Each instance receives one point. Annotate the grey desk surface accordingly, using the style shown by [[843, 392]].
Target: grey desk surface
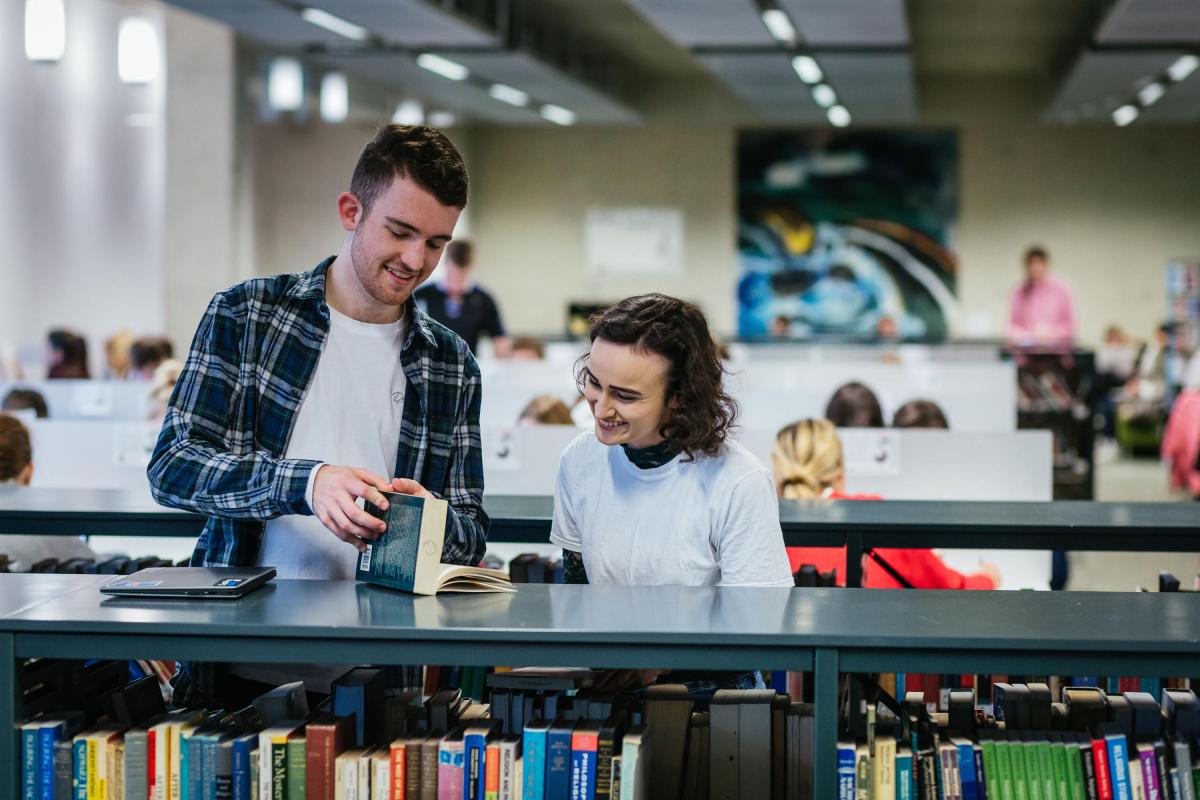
[[22, 590], [1030, 622]]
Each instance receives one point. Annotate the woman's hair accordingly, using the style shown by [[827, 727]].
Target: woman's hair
[[854, 406], [546, 409], [116, 353], [700, 413], [16, 452], [21, 399], [807, 459], [74, 363], [920, 414]]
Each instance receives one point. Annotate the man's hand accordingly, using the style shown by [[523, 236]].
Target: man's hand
[[408, 486], [335, 490]]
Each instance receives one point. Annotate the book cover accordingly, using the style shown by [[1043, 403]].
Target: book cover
[[408, 555], [846, 771], [365, 772], [345, 772], [1104, 787], [1087, 765], [609, 744], [966, 768], [558, 760], [1046, 767], [533, 781], [633, 763], [980, 773], [381, 775], [510, 757], [359, 693], [398, 763], [491, 772], [1148, 764], [326, 737], [450, 779], [296, 763], [30, 761], [1118, 766], [476, 739], [412, 766], [79, 784], [64, 770], [904, 773], [244, 754], [584, 744], [883, 767], [430, 753], [223, 770]]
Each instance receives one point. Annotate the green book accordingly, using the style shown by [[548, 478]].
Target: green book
[[1016, 753], [1004, 761], [991, 774], [1046, 769], [296, 756], [1074, 769], [279, 770], [1058, 759], [1033, 769]]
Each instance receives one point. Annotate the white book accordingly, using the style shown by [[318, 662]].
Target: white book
[[633, 766], [364, 774], [381, 775], [510, 752], [346, 775], [883, 767], [518, 776], [162, 758]]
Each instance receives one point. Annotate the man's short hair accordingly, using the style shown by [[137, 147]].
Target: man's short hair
[[1036, 251], [418, 152], [460, 253], [21, 399]]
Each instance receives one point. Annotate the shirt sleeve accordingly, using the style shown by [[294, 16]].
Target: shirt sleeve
[[192, 466], [749, 541], [467, 523], [492, 323], [924, 570], [563, 530]]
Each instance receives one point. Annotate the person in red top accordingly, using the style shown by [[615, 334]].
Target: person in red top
[[807, 462]]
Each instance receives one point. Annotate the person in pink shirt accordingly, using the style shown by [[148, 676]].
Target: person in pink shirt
[[1042, 307]]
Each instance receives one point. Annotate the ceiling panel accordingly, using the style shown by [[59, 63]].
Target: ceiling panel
[[876, 87], [1181, 103], [263, 21], [401, 73], [707, 23], [849, 22], [413, 23], [766, 83], [1102, 80], [1150, 22], [547, 84]]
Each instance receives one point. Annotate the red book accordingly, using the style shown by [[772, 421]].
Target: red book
[[399, 779], [325, 739], [1103, 779], [491, 773], [151, 763]]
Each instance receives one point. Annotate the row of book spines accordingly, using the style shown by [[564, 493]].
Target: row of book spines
[[585, 760]]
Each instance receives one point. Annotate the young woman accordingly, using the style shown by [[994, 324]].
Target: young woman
[[808, 464], [657, 493]]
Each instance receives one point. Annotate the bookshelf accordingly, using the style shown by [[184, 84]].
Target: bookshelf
[[824, 630], [1115, 527]]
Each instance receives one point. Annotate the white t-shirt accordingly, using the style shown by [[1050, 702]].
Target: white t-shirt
[[350, 417], [712, 521]]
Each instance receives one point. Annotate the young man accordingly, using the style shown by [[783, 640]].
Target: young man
[[462, 305], [304, 392], [1041, 309]]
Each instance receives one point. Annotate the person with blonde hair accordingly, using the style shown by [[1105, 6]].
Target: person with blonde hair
[[546, 409], [808, 464]]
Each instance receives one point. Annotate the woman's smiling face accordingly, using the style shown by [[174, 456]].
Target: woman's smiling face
[[626, 388]]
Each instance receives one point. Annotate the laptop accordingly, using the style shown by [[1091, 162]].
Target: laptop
[[210, 582]]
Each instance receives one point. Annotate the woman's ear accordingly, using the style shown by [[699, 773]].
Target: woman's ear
[[25, 475]]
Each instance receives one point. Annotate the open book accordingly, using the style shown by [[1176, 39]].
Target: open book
[[408, 555]]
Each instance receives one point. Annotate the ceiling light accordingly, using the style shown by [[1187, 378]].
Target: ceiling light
[[409, 112], [342, 27], [137, 51], [808, 69], [507, 94], [558, 114], [285, 84], [45, 30], [1125, 115], [824, 95], [442, 119], [838, 116], [335, 97], [1183, 66], [443, 66], [1149, 94], [779, 25]]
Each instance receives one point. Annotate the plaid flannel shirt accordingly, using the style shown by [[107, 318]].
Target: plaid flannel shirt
[[222, 445]]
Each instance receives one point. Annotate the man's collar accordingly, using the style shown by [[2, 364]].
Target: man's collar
[[311, 286]]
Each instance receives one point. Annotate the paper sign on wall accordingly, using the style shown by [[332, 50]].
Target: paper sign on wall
[[877, 454], [633, 241]]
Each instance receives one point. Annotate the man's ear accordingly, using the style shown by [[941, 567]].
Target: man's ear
[[349, 210], [25, 475]]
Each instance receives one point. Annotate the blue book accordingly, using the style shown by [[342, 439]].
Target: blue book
[[31, 763], [845, 771], [475, 742], [966, 768], [49, 734], [79, 783], [558, 760], [980, 775], [1118, 766], [533, 778], [585, 742], [408, 555], [243, 751], [905, 781]]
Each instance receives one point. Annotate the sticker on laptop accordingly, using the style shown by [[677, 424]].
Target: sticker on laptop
[[134, 584], [230, 582]]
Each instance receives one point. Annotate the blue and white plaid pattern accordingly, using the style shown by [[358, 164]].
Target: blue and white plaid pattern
[[222, 445]]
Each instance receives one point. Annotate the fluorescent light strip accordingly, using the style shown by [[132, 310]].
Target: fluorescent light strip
[[807, 68], [1125, 115], [779, 25], [451, 70], [507, 94], [442, 119], [137, 51], [342, 27], [1180, 70], [1150, 94], [824, 95], [45, 30], [409, 112], [558, 114], [838, 116], [335, 97]]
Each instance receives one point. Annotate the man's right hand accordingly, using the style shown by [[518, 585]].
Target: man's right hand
[[335, 490]]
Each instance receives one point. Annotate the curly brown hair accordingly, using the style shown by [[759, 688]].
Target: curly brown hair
[[702, 414]]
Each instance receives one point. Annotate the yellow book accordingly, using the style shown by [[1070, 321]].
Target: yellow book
[[116, 770], [883, 768], [93, 773]]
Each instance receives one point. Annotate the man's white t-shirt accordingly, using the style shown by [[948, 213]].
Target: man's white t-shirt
[[350, 416], [712, 521]]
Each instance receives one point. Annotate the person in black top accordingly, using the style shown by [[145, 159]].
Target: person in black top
[[461, 305]]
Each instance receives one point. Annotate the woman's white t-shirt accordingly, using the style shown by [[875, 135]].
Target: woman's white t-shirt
[[712, 521]]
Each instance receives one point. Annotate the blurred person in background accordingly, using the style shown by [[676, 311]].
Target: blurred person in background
[[66, 355], [462, 305], [546, 409], [145, 355], [854, 405], [1041, 309], [920, 414], [116, 355], [526, 348], [162, 383], [26, 399]]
